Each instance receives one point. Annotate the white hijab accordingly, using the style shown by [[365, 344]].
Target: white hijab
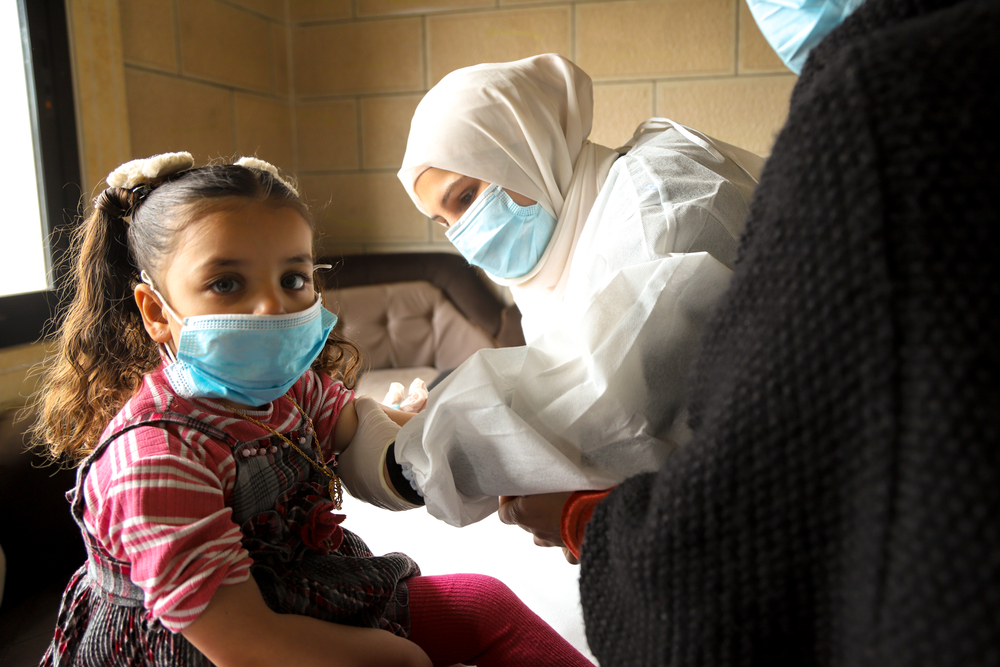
[[522, 125]]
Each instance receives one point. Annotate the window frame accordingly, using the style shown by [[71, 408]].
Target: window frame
[[25, 318]]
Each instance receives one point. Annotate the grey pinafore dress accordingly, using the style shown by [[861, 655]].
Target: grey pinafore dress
[[281, 505]]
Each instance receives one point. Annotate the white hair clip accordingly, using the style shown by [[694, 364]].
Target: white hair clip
[[146, 170], [261, 165]]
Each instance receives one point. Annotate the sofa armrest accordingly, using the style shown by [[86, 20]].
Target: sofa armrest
[[42, 542]]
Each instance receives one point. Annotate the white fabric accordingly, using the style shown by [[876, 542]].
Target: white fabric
[[523, 126], [599, 393]]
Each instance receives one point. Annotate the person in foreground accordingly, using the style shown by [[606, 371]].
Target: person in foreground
[[205, 486], [837, 503], [614, 257]]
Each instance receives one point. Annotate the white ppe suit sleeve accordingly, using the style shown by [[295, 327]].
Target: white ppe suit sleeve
[[600, 395]]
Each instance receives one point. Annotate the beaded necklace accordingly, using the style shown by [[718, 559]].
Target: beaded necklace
[[335, 486]]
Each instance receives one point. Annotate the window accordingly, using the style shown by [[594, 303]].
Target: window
[[40, 182]]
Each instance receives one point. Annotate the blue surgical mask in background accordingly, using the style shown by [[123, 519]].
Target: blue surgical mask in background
[[794, 27], [500, 236], [247, 359]]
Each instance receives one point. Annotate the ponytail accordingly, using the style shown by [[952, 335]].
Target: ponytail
[[103, 349]]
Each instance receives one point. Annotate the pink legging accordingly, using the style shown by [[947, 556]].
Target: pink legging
[[474, 619]]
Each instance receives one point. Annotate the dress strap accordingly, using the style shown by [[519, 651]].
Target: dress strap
[[103, 569], [148, 419]]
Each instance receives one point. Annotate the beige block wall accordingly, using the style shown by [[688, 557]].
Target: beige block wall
[[359, 70], [326, 88], [19, 367], [209, 76]]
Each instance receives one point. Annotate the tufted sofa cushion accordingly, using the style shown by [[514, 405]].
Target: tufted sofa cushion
[[405, 330], [450, 273]]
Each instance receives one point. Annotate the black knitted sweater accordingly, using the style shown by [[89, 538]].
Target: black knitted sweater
[[840, 501]]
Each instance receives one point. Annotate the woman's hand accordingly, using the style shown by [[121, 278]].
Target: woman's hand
[[540, 515], [362, 463], [238, 629]]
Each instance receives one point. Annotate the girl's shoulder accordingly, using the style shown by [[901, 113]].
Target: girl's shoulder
[[321, 398], [317, 392], [153, 396], [187, 429]]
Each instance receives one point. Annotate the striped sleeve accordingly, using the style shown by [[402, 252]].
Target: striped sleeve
[[157, 500], [323, 398]]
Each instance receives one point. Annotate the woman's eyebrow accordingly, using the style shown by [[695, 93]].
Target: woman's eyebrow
[[447, 191]]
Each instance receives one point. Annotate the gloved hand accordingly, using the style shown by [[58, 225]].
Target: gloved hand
[[412, 402], [361, 465], [417, 398]]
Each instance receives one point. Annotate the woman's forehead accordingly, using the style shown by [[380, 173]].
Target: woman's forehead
[[433, 185]]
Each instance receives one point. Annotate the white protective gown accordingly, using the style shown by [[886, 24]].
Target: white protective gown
[[600, 395]]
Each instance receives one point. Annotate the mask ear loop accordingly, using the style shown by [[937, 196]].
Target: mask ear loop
[[321, 267], [164, 348]]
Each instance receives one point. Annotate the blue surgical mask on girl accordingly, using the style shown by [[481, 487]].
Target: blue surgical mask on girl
[[794, 27], [501, 237], [247, 359]]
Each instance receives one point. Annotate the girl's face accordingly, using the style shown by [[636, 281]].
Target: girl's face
[[447, 195], [250, 259]]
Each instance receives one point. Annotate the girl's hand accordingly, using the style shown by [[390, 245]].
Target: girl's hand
[[237, 629]]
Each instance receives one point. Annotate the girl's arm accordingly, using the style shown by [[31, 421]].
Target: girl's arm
[[238, 629]]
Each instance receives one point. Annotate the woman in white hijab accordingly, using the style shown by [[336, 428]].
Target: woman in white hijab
[[614, 261]]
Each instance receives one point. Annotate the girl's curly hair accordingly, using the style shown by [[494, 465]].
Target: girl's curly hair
[[102, 348]]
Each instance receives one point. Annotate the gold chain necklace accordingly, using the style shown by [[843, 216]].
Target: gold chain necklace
[[336, 487]]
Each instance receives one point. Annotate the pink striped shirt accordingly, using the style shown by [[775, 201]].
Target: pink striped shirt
[[159, 498]]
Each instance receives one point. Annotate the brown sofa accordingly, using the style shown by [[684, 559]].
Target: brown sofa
[[412, 315], [41, 542]]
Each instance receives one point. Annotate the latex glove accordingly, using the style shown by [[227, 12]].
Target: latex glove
[[361, 465], [415, 400], [394, 397], [540, 515]]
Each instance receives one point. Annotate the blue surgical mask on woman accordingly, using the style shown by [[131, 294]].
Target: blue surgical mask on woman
[[247, 359], [500, 236], [794, 27]]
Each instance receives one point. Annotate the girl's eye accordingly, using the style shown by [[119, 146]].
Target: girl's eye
[[294, 281], [225, 285]]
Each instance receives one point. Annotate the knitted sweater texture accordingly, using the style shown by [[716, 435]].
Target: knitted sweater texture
[[839, 503]]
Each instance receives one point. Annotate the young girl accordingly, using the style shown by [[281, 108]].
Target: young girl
[[206, 483]]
